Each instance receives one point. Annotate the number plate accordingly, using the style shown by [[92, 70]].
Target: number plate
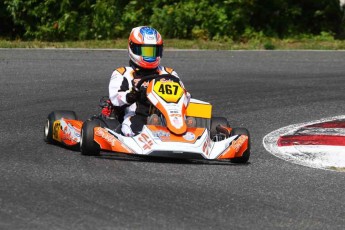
[[169, 91]]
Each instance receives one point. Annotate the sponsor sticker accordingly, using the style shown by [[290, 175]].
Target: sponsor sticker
[[175, 115], [145, 139], [145, 84], [239, 142], [206, 146], [189, 136], [150, 37], [177, 121], [165, 80], [162, 135], [106, 136], [70, 133]]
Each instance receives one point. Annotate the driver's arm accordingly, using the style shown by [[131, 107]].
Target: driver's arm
[[118, 89]]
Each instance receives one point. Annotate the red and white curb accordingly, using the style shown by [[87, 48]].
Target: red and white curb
[[316, 144]]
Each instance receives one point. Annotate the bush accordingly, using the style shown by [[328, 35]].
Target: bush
[[200, 19], [7, 28], [106, 20], [284, 18]]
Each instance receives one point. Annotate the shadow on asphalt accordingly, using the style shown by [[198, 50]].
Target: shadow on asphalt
[[152, 159], [164, 160]]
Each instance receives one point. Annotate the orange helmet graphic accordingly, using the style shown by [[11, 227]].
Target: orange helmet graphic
[[145, 47]]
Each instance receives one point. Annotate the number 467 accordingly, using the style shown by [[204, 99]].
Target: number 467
[[167, 89]]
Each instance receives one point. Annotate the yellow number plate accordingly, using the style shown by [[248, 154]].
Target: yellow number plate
[[169, 91]]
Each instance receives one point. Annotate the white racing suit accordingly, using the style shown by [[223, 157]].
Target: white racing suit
[[121, 83]]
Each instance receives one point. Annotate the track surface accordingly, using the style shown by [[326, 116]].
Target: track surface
[[48, 187]]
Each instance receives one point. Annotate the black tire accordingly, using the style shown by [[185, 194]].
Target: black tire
[[88, 146], [245, 157], [215, 121], [52, 117]]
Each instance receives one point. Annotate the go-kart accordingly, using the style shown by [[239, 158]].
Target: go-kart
[[183, 128]]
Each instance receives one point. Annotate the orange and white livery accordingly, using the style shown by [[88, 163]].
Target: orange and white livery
[[186, 129]]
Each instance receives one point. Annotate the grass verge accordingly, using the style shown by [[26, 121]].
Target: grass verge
[[302, 43], [337, 169]]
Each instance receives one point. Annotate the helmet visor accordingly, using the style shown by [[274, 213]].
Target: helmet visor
[[147, 51]]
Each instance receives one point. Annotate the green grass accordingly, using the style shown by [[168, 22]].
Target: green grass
[[323, 42], [337, 169], [92, 44]]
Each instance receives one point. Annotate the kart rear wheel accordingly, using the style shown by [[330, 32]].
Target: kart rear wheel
[[52, 117], [215, 121], [88, 146], [245, 157]]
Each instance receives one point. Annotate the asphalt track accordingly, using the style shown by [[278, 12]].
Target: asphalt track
[[44, 186]]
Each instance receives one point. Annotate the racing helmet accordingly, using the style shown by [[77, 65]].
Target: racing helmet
[[145, 47]]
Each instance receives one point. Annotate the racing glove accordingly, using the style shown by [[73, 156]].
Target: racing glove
[[132, 97], [106, 111], [107, 107]]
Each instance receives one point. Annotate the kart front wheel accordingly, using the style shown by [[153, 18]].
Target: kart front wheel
[[245, 157], [52, 117], [88, 146]]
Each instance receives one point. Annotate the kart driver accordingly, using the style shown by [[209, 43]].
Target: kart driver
[[145, 48]]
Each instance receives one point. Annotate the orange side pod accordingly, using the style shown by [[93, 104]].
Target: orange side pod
[[108, 142], [236, 149], [65, 136]]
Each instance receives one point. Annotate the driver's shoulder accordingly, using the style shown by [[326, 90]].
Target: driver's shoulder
[[123, 70], [165, 70]]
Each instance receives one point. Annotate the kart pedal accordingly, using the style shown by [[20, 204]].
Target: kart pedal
[[154, 120]]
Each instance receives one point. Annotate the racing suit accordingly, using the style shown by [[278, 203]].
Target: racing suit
[[121, 83]]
